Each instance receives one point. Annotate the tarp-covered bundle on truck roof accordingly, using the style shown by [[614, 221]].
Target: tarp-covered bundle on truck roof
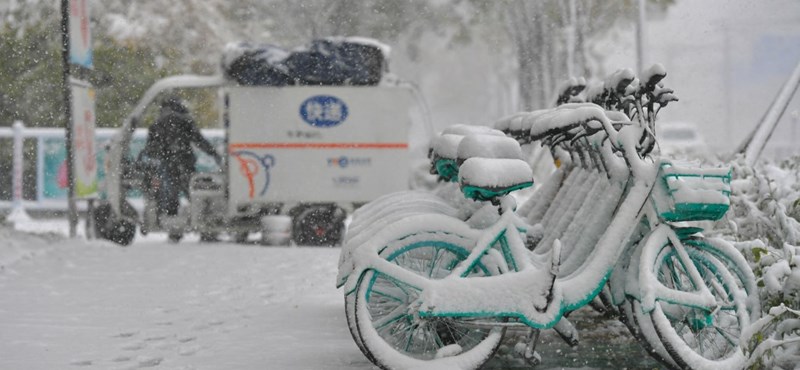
[[328, 61]]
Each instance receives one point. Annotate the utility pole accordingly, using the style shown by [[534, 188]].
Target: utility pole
[[641, 37], [571, 31], [72, 210]]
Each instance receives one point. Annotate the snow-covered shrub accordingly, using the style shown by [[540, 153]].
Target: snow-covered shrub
[[773, 342], [763, 201], [764, 223]]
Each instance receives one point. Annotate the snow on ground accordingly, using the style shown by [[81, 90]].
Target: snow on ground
[[73, 304], [184, 306]]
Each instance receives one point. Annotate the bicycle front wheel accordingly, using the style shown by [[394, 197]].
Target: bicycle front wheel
[[392, 336], [699, 337]]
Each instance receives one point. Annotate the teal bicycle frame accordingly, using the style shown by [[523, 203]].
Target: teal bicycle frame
[[525, 285]]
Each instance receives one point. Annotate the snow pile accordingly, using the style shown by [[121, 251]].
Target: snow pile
[[16, 245]]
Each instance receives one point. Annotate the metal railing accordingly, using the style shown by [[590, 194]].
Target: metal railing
[[43, 200]]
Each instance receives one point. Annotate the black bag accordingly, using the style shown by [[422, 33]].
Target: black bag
[[337, 62], [260, 65], [329, 61]]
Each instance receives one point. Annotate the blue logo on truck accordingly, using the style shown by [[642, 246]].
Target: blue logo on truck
[[323, 111]]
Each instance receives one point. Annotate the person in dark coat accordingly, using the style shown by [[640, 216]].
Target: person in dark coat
[[169, 152]]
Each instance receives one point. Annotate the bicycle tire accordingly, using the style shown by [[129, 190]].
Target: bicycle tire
[[695, 337], [403, 341]]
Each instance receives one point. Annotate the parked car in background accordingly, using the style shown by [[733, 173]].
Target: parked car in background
[[681, 139]]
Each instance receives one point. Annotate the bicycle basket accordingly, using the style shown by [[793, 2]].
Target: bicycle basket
[[690, 193]]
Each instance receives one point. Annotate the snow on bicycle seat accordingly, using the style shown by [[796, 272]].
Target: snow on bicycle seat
[[444, 149], [443, 156], [464, 130], [446, 146], [489, 178], [488, 147]]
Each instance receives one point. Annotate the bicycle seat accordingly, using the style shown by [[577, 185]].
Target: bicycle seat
[[483, 146], [490, 178], [445, 148], [464, 130], [443, 156]]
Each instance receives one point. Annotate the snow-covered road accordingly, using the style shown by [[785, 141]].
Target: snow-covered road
[[73, 304]]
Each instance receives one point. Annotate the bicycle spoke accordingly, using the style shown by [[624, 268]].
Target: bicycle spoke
[[389, 318], [388, 301], [433, 262], [712, 332], [386, 295]]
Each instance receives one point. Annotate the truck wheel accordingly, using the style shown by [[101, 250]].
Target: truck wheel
[[208, 237], [175, 236], [240, 238], [319, 226], [122, 232], [109, 227]]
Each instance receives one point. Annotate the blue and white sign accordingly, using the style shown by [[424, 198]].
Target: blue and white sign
[[318, 143], [80, 35], [323, 111]]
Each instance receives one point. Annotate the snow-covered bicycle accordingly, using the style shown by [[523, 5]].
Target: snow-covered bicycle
[[431, 289]]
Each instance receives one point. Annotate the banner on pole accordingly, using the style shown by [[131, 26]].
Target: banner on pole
[[83, 139], [80, 35]]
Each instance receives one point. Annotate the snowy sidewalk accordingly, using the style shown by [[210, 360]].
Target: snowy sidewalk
[[185, 306]]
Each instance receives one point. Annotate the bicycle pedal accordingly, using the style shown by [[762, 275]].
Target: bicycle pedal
[[567, 332]]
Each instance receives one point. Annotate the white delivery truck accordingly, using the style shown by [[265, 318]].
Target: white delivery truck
[[303, 155]]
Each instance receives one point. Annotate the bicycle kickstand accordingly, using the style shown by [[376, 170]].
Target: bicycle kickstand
[[530, 355], [555, 265]]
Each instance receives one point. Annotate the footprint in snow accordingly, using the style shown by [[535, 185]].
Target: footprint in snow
[[133, 346], [207, 325], [81, 363], [188, 350], [156, 337], [146, 361]]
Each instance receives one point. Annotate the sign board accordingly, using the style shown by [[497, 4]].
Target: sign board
[[80, 35], [52, 162], [83, 139], [318, 144]]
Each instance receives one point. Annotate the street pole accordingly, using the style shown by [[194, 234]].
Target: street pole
[[72, 211], [571, 30], [795, 122], [641, 37]]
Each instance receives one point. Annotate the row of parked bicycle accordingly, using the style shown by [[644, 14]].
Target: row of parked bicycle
[[436, 278]]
